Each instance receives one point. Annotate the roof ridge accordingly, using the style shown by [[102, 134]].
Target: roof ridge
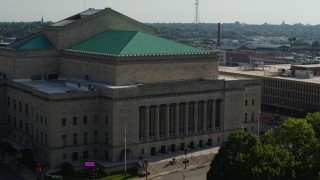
[[129, 41]]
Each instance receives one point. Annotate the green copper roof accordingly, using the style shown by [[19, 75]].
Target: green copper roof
[[117, 42], [36, 41]]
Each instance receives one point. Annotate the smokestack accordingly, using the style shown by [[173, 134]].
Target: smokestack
[[219, 35]]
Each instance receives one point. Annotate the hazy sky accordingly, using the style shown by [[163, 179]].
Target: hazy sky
[[245, 11]]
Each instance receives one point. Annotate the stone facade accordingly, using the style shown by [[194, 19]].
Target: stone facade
[[166, 102]]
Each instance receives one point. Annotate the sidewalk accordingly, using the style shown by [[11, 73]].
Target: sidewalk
[[25, 172]]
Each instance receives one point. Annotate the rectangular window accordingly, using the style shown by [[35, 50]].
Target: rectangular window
[[15, 122], [75, 139], [26, 109], [107, 138], [8, 101], [41, 119], [107, 119], [252, 102], [85, 138], [64, 140], [95, 136], [20, 106], [9, 119], [14, 105], [46, 139], [37, 118], [45, 121], [74, 120], [85, 119], [64, 122], [20, 125], [37, 135], [246, 102], [27, 128], [245, 117], [252, 117], [41, 137]]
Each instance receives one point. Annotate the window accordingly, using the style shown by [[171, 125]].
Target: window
[[85, 154], [41, 119], [218, 139], [9, 119], [75, 139], [95, 136], [41, 137], [85, 119], [252, 102], [107, 119], [37, 117], [46, 139], [245, 117], [252, 117], [246, 103], [20, 124], [20, 106], [26, 109], [14, 105], [74, 120], [8, 101], [85, 138], [27, 128], [15, 122], [45, 121], [64, 140], [107, 137], [64, 122], [37, 134], [64, 156]]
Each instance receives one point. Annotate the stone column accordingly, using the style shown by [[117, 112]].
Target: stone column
[[176, 118], [204, 116], [213, 115], [157, 123], [195, 129], [186, 120], [221, 113], [146, 123], [167, 120]]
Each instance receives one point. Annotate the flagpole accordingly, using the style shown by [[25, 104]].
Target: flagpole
[[125, 148], [259, 123]]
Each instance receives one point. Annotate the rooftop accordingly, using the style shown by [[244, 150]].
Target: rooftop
[[269, 71], [35, 41], [118, 42]]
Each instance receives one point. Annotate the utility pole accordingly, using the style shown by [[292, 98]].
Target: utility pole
[[125, 148]]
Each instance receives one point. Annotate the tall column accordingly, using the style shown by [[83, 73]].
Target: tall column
[[176, 118], [196, 104], [167, 120], [213, 115], [146, 123], [157, 122], [186, 120], [205, 114], [221, 113]]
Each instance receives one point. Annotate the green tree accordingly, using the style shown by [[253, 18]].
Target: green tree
[[314, 120], [244, 157], [299, 138]]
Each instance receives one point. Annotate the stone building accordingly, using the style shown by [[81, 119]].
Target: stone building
[[67, 92]]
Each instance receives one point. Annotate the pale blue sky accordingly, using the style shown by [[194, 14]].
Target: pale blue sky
[[246, 11]]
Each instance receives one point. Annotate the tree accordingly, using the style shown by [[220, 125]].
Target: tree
[[314, 120], [244, 157], [299, 139]]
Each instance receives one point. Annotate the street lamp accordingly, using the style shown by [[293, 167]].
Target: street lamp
[[146, 165], [186, 161]]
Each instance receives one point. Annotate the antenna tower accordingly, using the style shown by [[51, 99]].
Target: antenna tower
[[197, 18]]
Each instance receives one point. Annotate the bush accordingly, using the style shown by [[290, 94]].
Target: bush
[[67, 169]]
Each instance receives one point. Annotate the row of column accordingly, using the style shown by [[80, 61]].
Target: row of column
[[179, 119]]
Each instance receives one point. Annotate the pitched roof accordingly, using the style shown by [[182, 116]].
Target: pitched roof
[[117, 42], [35, 41]]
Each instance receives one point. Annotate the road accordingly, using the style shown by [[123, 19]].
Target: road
[[6, 173], [192, 174]]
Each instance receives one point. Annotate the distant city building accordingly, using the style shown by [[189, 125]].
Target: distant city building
[[68, 92], [287, 89]]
